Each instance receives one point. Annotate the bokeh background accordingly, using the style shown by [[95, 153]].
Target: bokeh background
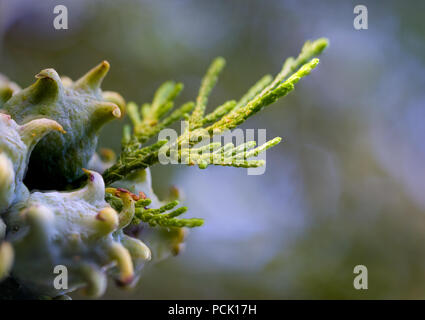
[[346, 188]]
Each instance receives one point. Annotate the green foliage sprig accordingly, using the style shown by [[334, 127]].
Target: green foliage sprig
[[158, 217], [151, 118], [164, 216]]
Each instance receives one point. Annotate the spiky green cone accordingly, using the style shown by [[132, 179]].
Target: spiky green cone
[[16, 144], [78, 230], [80, 107]]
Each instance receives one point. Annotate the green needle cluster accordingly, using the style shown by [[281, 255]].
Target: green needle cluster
[[149, 119]]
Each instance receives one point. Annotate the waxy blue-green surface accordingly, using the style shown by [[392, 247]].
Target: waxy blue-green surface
[[80, 107], [78, 230], [16, 145]]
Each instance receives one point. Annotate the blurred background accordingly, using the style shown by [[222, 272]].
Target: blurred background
[[347, 187]]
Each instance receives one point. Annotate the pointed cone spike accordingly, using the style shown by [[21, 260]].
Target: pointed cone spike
[[93, 79], [6, 171], [177, 248], [104, 112], [122, 257], [93, 191], [7, 177], [96, 281], [47, 87], [137, 249], [6, 259], [116, 98], [38, 214], [107, 220], [5, 94], [182, 234], [67, 81], [40, 219], [107, 155], [128, 210], [35, 130], [7, 87]]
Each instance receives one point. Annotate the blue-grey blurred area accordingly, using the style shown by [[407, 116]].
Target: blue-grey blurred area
[[347, 186]]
